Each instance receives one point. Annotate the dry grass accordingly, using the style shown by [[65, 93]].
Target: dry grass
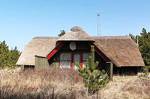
[[40, 84], [16, 84], [127, 87]]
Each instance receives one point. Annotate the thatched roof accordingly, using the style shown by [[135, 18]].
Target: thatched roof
[[76, 34], [40, 46], [121, 50]]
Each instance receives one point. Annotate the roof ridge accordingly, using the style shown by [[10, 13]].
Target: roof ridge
[[45, 37], [111, 37]]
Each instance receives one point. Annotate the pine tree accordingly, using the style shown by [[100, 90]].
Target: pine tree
[[4, 54], [144, 45], [8, 58], [94, 79], [13, 57], [62, 32]]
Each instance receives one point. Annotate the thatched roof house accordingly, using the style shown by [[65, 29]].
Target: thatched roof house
[[74, 46]]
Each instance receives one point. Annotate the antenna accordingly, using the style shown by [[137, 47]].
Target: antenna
[[98, 24]]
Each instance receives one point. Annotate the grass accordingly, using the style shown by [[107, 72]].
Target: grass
[[66, 84], [40, 83], [127, 87]]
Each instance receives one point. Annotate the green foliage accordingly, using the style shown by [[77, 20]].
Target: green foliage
[[145, 74], [146, 70], [134, 37], [144, 45], [8, 57], [62, 32], [93, 77]]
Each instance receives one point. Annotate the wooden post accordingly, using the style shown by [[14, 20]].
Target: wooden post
[[110, 70], [93, 53]]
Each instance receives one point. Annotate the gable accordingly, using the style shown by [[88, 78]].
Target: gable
[[37, 46], [121, 50]]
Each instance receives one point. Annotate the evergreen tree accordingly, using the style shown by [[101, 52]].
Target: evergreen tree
[[133, 37], [144, 32], [144, 45], [4, 54], [62, 32], [13, 57], [8, 58], [93, 77]]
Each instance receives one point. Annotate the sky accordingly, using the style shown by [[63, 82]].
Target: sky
[[21, 20]]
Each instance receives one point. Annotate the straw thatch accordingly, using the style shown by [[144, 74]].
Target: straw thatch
[[40, 46], [121, 50], [75, 34]]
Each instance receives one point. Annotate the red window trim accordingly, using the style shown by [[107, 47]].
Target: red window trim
[[54, 51]]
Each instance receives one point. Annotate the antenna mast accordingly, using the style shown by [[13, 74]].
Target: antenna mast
[[98, 24]]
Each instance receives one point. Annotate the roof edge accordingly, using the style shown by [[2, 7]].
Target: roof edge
[[111, 37], [44, 37]]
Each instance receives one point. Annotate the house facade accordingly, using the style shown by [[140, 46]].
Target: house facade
[[74, 47]]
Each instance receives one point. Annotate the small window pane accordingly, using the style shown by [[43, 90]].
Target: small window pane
[[85, 56], [65, 56], [77, 57]]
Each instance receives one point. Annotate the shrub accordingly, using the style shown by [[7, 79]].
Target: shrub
[[145, 73], [94, 78], [145, 70]]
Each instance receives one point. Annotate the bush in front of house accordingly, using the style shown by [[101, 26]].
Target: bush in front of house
[[146, 70], [93, 77], [145, 74]]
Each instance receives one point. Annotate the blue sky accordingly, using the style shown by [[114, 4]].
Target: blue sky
[[21, 20]]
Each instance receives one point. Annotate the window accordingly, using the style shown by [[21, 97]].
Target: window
[[65, 60], [77, 58], [85, 58]]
